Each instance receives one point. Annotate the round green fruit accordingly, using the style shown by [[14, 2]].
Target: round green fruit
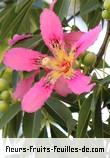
[[3, 106], [106, 14], [107, 5], [7, 75], [5, 95], [83, 55], [3, 84], [89, 59]]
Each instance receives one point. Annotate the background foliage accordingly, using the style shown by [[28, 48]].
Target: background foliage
[[55, 118]]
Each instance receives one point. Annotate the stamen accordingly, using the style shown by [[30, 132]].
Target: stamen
[[55, 43], [46, 61]]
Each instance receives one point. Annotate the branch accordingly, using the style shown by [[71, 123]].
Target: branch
[[103, 47]]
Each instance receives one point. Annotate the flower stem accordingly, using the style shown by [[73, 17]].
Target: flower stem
[[104, 45]]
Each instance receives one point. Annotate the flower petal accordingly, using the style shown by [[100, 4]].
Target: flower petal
[[80, 83], [51, 28], [87, 40], [37, 96], [53, 4], [71, 38], [22, 59], [61, 87], [17, 38], [23, 86]]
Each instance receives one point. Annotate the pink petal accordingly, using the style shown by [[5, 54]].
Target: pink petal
[[87, 40], [23, 86], [61, 87], [80, 83], [71, 38], [53, 4], [51, 28], [22, 59], [37, 96], [17, 38]]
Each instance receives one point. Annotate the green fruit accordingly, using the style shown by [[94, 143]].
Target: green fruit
[[83, 54], [107, 5], [7, 75], [3, 106], [89, 59], [106, 14], [3, 84], [5, 95]]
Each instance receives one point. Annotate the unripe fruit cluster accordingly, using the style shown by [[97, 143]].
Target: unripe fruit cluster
[[106, 11], [5, 95]]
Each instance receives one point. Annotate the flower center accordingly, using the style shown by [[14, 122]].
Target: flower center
[[59, 65], [65, 66]]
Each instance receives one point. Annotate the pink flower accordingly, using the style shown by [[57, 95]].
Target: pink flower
[[17, 38], [61, 77]]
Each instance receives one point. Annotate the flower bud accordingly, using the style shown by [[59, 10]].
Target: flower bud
[[3, 84], [7, 75], [107, 5], [89, 59], [5, 95], [106, 14], [3, 106]]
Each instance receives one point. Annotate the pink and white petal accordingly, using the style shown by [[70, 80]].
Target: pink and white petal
[[87, 40], [37, 96], [23, 86], [61, 87], [17, 38], [51, 28], [71, 38], [22, 59], [80, 83], [53, 4]]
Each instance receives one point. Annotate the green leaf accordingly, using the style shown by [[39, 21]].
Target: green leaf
[[88, 6], [20, 4], [84, 116], [2, 68], [106, 80], [96, 95], [59, 109], [62, 8], [9, 115], [17, 22], [30, 42], [12, 128], [43, 133], [32, 124], [98, 127], [94, 18], [15, 78], [57, 133], [106, 130], [17, 122]]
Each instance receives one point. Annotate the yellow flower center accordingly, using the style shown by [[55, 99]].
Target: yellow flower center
[[61, 64]]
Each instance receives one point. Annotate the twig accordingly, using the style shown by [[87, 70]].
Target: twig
[[71, 17], [103, 47]]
